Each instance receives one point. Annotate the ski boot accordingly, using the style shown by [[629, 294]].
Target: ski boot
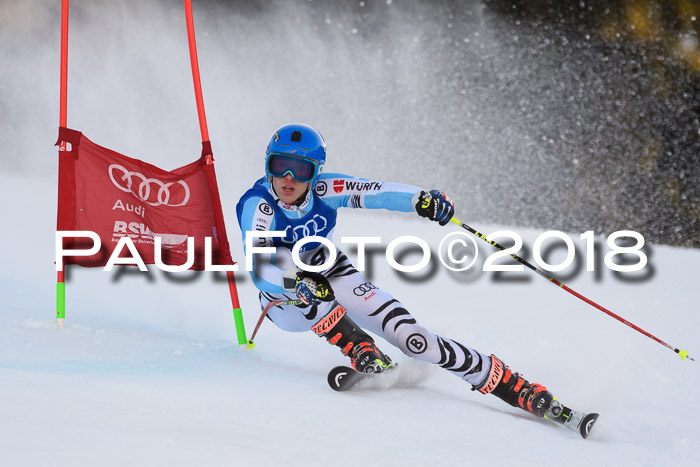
[[518, 392], [534, 398], [367, 358], [338, 329]]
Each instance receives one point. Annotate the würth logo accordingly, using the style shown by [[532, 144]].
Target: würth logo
[[338, 185]]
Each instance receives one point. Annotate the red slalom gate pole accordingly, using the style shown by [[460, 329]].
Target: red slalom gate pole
[[63, 119], [195, 71], [682, 353], [64, 66], [237, 312]]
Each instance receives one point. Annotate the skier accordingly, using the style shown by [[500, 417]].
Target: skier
[[339, 303]]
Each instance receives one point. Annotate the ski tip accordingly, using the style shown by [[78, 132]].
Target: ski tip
[[587, 424], [335, 378]]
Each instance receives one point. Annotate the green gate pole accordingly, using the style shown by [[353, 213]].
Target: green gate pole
[[237, 312], [60, 301]]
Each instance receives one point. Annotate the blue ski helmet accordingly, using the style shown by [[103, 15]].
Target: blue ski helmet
[[296, 142]]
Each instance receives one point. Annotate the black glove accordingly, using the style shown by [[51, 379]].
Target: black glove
[[312, 286], [435, 205]]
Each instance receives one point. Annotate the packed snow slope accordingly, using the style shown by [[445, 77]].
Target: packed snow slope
[[147, 370]]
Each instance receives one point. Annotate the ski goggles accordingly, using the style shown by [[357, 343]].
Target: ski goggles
[[302, 169]]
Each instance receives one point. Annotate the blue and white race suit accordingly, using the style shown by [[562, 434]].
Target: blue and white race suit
[[372, 308]]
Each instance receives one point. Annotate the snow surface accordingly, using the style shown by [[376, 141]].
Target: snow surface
[[147, 371]]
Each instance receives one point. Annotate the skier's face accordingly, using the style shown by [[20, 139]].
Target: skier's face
[[288, 189]]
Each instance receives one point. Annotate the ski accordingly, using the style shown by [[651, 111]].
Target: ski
[[574, 420], [342, 378]]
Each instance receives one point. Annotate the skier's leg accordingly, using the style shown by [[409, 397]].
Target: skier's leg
[[487, 374], [341, 331], [329, 320], [394, 323], [377, 311]]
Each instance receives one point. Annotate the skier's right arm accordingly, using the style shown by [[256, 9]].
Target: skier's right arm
[[258, 216]]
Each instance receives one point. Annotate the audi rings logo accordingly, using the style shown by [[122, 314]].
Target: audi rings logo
[[149, 190], [360, 290], [314, 226]]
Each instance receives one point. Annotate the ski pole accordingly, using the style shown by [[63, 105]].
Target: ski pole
[[682, 353], [251, 343]]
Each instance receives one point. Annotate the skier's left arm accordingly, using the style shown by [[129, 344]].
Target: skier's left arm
[[338, 190], [345, 191]]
